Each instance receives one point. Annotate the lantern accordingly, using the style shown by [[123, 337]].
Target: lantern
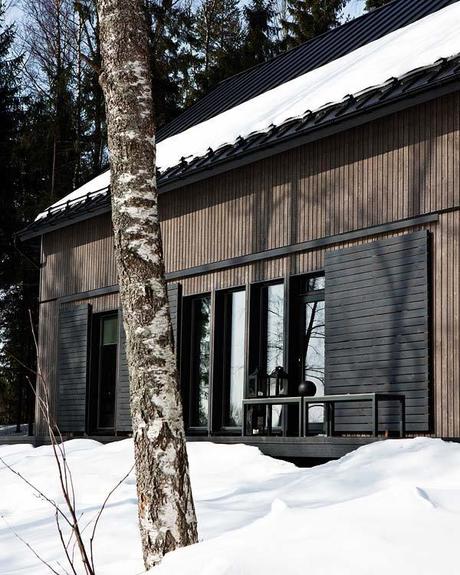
[[257, 384], [278, 382]]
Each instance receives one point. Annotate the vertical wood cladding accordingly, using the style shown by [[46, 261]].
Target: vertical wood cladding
[[400, 166], [397, 167]]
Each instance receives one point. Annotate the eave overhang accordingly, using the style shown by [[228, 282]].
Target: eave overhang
[[397, 94]]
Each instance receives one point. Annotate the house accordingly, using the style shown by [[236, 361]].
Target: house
[[310, 215]]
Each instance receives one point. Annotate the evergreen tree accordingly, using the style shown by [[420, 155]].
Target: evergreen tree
[[218, 41], [18, 280], [171, 41], [259, 43], [50, 39], [372, 4], [309, 18], [91, 130]]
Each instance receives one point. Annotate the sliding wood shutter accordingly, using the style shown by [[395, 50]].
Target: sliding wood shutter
[[72, 368], [377, 328]]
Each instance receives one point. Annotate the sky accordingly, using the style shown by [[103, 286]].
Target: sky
[[354, 8]]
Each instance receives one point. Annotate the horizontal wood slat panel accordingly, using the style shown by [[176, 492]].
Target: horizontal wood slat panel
[[389, 324], [73, 369]]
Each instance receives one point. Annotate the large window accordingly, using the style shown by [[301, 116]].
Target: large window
[[267, 350], [273, 321], [311, 329], [104, 372], [197, 331], [234, 351], [267, 327]]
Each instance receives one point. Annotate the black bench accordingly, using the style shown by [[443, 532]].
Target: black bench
[[329, 402]]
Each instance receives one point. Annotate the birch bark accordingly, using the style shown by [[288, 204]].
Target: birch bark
[[166, 511]]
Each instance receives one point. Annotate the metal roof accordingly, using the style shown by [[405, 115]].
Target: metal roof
[[417, 86], [302, 59]]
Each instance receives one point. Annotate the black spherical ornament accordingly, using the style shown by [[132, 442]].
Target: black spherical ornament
[[307, 388]]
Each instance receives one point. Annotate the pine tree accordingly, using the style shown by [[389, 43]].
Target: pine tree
[[372, 4], [259, 37], [218, 41], [18, 280], [309, 18], [172, 58], [91, 129], [50, 41]]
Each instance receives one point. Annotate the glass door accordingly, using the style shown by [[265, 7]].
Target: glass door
[[103, 381], [311, 352]]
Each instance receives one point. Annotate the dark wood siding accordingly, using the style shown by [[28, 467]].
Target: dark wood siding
[[397, 167], [175, 299], [73, 368], [123, 419], [377, 328]]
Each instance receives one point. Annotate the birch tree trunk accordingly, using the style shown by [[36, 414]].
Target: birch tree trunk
[[166, 511]]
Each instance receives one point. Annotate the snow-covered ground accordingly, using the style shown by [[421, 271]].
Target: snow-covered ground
[[389, 508]]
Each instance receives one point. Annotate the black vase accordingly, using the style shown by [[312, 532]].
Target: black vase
[[307, 388]]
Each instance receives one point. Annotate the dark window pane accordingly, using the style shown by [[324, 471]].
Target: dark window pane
[[107, 384], [236, 360], [200, 360], [275, 327], [110, 331], [313, 351], [107, 372], [314, 283], [275, 339]]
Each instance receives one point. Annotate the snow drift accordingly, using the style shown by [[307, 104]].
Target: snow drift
[[389, 507]]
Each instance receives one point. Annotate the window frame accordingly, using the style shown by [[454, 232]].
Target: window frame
[[95, 358], [222, 359], [188, 342], [258, 324]]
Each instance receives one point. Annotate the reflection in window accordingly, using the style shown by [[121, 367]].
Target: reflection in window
[[237, 309], [313, 361], [313, 350], [275, 327], [314, 283], [274, 338], [201, 343], [107, 376]]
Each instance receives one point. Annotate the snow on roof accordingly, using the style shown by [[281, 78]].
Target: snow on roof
[[419, 44]]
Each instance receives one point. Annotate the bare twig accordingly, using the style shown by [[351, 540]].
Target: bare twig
[[29, 546], [66, 550], [98, 516], [36, 489], [73, 520]]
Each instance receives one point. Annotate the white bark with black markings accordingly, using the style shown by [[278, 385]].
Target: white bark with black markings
[[166, 510]]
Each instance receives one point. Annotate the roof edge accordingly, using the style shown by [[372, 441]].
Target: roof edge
[[283, 143]]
